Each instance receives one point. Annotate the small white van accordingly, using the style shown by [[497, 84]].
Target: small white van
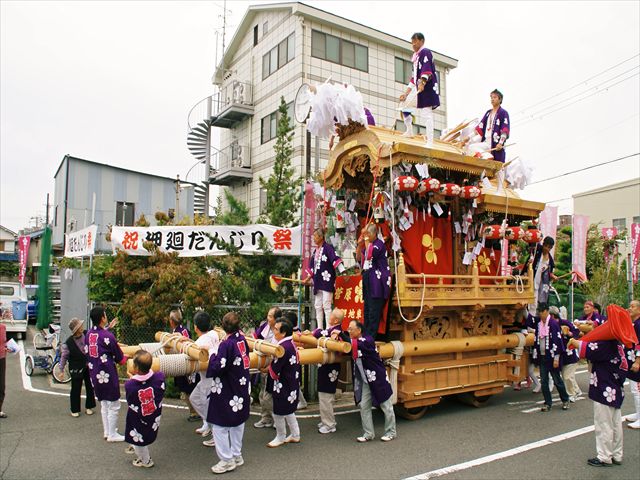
[[10, 291]]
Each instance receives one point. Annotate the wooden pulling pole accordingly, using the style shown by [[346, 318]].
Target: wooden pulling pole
[[181, 344], [266, 348], [453, 345], [329, 344]]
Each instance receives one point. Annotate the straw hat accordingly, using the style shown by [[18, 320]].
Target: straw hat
[[74, 325]]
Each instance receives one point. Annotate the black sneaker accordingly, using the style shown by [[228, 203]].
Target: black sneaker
[[194, 418], [595, 462], [545, 408]]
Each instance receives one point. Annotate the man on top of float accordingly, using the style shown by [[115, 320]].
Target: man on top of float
[[498, 119]]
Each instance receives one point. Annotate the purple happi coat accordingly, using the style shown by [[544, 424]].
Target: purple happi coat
[[103, 353], [555, 345], [328, 374], [569, 356], [284, 379], [595, 317], [423, 66], [633, 353], [322, 266], [500, 127], [374, 261], [364, 353], [229, 400], [608, 371], [185, 384], [144, 401]]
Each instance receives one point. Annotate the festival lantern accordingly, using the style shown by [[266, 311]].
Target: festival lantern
[[450, 189], [492, 232], [514, 233], [470, 192], [406, 183], [532, 235]]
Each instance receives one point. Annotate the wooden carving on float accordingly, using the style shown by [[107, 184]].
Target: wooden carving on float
[[434, 328]]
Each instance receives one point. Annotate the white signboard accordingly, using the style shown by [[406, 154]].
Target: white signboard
[[197, 241], [81, 243]]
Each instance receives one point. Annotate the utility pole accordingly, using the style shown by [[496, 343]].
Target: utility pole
[[47, 214]]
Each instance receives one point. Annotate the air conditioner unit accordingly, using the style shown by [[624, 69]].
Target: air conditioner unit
[[239, 156]]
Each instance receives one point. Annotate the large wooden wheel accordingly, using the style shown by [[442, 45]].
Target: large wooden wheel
[[468, 398], [414, 413]]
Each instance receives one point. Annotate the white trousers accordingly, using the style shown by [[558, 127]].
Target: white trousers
[[142, 453], [109, 411], [281, 427], [228, 441], [635, 391], [569, 377], [608, 425], [323, 301], [326, 401], [198, 397], [425, 117], [533, 376]]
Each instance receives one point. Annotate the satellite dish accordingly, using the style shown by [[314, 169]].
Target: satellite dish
[[302, 103]]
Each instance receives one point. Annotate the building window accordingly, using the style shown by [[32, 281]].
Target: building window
[[125, 214], [636, 219], [255, 35], [2, 245], [278, 56], [620, 224], [55, 216], [336, 50], [269, 125], [403, 70]]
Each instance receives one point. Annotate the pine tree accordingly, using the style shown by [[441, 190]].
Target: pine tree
[[282, 186]]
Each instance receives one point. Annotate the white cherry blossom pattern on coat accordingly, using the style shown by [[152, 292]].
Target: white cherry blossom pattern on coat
[[333, 376], [223, 362], [103, 358], [237, 361], [292, 396], [216, 387], [136, 436], [135, 408], [243, 380], [326, 276], [277, 386], [156, 423], [236, 403], [593, 346], [371, 375], [594, 379], [609, 394], [292, 360], [107, 341], [102, 377]]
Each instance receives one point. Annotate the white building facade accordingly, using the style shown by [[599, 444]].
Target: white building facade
[[275, 49]]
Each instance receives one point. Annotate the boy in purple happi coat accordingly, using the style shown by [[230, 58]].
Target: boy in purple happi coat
[[185, 384], [376, 279], [284, 384], [321, 273], [103, 353], [609, 369], [494, 127], [370, 384], [328, 374], [145, 392], [425, 81], [229, 401], [547, 352]]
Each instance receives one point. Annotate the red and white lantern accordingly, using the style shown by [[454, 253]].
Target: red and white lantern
[[492, 232], [450, 189], [470, 192], [514, 233], [405, 183], [428, 185], [532, 236]]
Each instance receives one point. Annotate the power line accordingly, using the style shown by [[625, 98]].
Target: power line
[[600, 87], [521, 112], [604, 89], [585, 168]]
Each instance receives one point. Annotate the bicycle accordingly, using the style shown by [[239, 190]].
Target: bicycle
[[50, 339]]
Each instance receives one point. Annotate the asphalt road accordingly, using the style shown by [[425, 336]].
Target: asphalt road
[[40, 440]]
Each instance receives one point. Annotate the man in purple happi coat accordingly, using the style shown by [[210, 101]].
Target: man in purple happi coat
[[569, 358], [103, 353], [609, 369], [547, 352], [284, 384], [424, 81], [328, 374], [494, 128], [321, 272], [229, 401], [185, 384], [145, 392], [371, 386], [376, 279]]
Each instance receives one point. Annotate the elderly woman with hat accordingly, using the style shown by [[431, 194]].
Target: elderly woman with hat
[[73, 352]]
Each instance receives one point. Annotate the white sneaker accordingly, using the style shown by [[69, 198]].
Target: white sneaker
[[572, 399], [89, 411], [387, 437], [292, 439], [222, 467], [363, 439], [635, 425], [138, 463], [275, 443], [263, 424], [130, 450], [325, 429], [301, 405], [320, 424], [75, 414], [116, 438], [204, 431], [238, 460], [632, 418], [537, 389], [209, 443]]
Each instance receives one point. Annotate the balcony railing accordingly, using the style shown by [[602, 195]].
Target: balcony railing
[[231, 164], [232, 104]]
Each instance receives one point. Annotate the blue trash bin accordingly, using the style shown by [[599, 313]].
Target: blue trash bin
[[19, 309]]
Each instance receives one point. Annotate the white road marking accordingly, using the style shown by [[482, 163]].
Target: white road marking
[[27, 385], [505, 454]]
